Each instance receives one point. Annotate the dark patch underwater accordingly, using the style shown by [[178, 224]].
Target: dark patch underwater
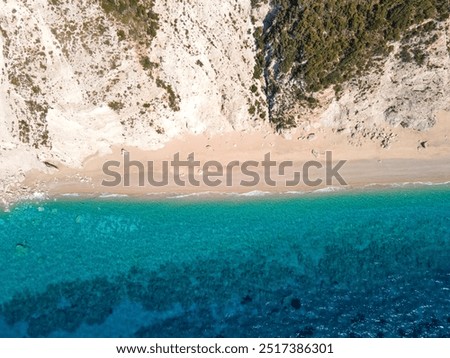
[[347, 265]]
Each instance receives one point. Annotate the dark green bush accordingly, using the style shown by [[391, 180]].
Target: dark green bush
[[324, 43], [136, 15]]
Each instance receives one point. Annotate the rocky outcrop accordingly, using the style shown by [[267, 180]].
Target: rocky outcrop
[[398, 92], [76, 78]]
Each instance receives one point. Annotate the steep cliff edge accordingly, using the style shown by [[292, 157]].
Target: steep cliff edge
[[77, 77], [355, 65], [80, 76]]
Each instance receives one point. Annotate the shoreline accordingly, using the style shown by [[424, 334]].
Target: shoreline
[[250, 195], [201, 197], [405, 161]]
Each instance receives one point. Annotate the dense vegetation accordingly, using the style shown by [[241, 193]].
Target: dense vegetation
[[139, 20], [309, 45], [324, 43]]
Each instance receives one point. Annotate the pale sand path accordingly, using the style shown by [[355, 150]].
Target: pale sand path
[[366, 165]]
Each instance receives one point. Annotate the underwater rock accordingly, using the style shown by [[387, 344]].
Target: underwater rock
[[22, 249], [306, 332], [401, 332], [358, 318], [296, 303]]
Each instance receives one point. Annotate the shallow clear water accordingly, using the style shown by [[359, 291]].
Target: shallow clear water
[[336, 265]]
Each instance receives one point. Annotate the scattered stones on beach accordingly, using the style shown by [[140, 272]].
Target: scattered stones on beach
[[51, 165], [362, 132], [14, 192], [422, 145]]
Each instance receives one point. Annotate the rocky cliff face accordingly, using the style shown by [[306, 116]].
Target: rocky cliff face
[[393, 73], [399, 92], [75, 79], [79, 76]]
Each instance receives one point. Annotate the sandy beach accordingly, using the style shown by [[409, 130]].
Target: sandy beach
[[413, 157]]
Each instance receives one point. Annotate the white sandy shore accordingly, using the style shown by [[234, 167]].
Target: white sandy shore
[[368, 165]]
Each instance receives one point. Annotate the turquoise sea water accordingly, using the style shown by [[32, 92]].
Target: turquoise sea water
[[372, 264]]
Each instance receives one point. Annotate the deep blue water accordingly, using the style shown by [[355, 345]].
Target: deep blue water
[[373, 264]]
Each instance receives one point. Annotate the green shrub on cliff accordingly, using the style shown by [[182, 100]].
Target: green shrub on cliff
[[324, 43], [136, 15]]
